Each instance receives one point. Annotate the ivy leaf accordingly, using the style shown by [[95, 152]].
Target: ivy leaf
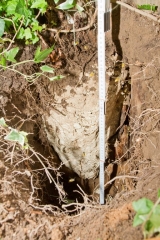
[[158, 193], [11, 6], [143, 206], [66, 5], [36, 27], [35, 38], [22, 9], [2, 61], [41, 55], [79, 8], [157, 210], [20, 34], [38, 50], [27, 33], [17, 136], [56, 77], [2, 25], [46, 68], [155, 220], [10, 55], [152, 225], [137, 220], [40, 4], [71, 2], [2, 122], [56, 1]]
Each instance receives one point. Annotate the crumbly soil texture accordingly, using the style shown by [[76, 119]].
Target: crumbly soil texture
[[40, 198]]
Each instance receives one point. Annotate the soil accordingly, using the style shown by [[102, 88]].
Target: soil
[[34, 206]]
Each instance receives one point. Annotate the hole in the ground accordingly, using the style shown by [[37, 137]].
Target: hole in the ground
[[50, 193], [67, 184]]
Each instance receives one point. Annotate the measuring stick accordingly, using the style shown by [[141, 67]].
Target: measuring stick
[[103, 25]]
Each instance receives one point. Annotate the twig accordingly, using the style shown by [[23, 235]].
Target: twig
[[81, 204], [50, 178], [12, 153], [119, 177], [139, 11], [75, 30], [13, 36]]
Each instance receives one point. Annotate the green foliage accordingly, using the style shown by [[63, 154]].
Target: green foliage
[[22, 13], [41, 55], [56, 78], [18, 136], [2, 24], [69, 4], [11, 54], [2, 122], [8, 56], [147, 7], [46, 68], [147, 214], [19, 17], [14, 135]]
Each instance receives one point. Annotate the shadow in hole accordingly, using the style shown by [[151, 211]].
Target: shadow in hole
[[115, 25], [49, 193], [115, 29]]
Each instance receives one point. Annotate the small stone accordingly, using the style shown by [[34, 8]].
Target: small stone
[[56, 234]]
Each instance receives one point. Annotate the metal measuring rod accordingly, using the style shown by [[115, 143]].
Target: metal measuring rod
[[103, 26]]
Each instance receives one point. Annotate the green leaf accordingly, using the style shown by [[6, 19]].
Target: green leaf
[[11, 6], [65, 6], [157, 210], [155, 220], [143, 206], [38, 50], [56, 1], [137, 220], [147, 7], [20, 34], [27, 33], [35, 39], [36, 27], [79, 8], [152, 225], [2, 25], [22, 9], [56, 78], [40, 4], [158, 193], [46, 68], [73, 2], [2, 122], [17, 136], [10, 55], [2, 61], [41, 55], [148, 226]]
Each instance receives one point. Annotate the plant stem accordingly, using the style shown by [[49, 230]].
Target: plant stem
[[150, 213]]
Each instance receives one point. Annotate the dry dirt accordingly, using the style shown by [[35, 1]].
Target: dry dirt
[[33, 208]]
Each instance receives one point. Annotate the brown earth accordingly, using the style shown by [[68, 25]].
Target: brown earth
[[33, 208]]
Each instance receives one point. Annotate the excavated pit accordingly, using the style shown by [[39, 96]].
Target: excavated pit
[[31, 207], [62, 116]]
